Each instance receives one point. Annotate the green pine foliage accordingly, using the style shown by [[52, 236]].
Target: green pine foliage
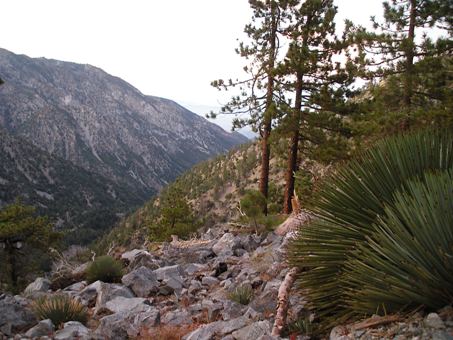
[[105, 269], [252, 205], [175, 216], [354, 210], [25, 242]]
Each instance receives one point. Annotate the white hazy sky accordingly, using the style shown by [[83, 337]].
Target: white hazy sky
[[166, 48]]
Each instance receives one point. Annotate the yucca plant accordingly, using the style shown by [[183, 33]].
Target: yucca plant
[[349, 207], [408, 260], [242, 295], [104, 268], [60, 309]]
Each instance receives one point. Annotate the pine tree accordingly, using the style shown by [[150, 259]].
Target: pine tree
[[317, 82], [21, 232], [401, 41], [259, 94]]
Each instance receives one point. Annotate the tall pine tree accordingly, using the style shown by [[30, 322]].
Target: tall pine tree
[[259, 93], [401, 41], [318, 84]]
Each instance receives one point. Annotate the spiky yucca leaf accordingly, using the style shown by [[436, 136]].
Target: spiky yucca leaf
[[60, 309], [348, 205], [408, 260]]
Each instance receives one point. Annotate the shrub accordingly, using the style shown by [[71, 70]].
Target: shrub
[[105, 269], [253, 204], [60, 309], [357, 252], [242, 295]]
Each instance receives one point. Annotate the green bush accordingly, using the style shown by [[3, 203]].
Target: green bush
[[242, 295], [356, 254], [60, 309], [253, 204], [105, 269]]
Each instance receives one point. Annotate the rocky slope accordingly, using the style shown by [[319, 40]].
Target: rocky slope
[[102, 124], [70, 195], [186, 290], [213, 188]]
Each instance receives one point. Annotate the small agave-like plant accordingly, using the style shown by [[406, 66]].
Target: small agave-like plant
[[60, 309], [382, 236], [242, 295]]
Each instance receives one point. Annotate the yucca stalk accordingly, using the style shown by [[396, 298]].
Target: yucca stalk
[[347, 208]]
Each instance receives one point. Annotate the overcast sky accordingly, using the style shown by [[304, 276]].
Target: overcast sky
[[166, 48]]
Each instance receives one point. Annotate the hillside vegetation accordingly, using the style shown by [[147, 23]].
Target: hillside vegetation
[[212, 189]]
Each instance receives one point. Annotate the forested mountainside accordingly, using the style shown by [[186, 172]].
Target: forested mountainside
[[102, 124], [70, 195]]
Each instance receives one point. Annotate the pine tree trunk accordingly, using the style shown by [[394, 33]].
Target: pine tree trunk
[[293, 148], [13, 266], [265, 157], [408, 91], [267, 119]]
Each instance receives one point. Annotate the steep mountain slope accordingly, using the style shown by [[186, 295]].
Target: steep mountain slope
[[66, 193], [103, 124], [213, 189]]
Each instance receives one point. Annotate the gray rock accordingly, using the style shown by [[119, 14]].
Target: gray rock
[[210, 281], [250, 242], [165, 290], [139, 258], [433, 320], [213, 309], [267, 300], [89, 294], [193, 268], [253, 331], [127, 324], [122, 304], [177, 317], [227, 244], [270, 337], [218, 328], [76, 287], [240, 252], [15, 315], [196, 253], [232, 310], [164, 273], [172, 279], [43, 328], [73, 330], [195, 286], [39, 285], [340, 333], [142, 281], [441, 335], [108, 292]]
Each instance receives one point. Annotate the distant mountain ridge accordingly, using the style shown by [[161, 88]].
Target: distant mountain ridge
[[103, 124]]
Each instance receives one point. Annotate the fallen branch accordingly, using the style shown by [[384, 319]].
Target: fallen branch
[[376, 321], [283, 301]]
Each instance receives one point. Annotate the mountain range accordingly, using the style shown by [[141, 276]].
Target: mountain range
[[78, 120]]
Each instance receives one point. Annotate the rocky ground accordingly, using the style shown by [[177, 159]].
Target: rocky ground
[[183, 289]]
